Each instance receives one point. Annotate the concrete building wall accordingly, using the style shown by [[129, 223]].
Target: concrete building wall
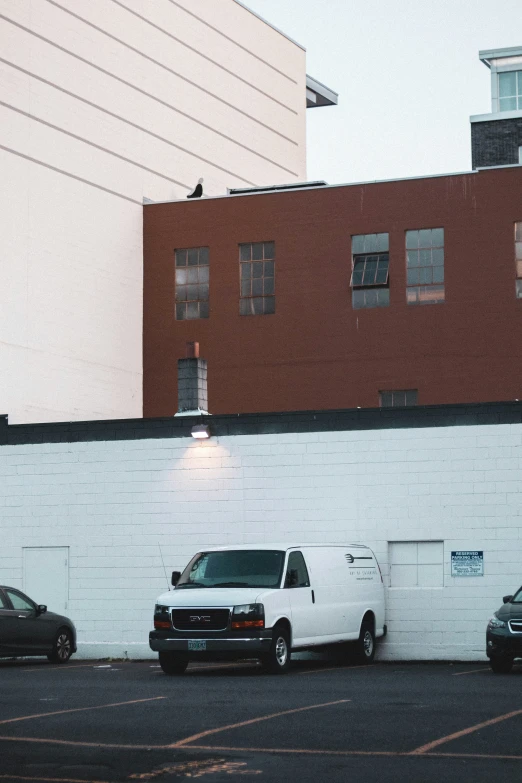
[[103, 103], [114, 502]]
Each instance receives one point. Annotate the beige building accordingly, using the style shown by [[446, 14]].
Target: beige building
[[105, 104]]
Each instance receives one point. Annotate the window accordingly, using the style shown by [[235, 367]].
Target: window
[[398, 399], [257, 278], [518, 258], [425, 266], [520, 154], [370, 271], [192, 283], [416, 563], [510, 90], [297, 564], [19, 601]]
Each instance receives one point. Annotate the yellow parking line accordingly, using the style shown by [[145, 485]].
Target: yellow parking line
[[79, 709], [242, 723], [457, 734]]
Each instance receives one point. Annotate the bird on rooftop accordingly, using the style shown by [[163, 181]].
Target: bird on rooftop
[[198, 190]]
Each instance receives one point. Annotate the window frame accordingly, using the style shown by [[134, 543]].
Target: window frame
[[203, 312], [249, 302], [518, 258], [296, 553], [399, 391], [367, 249], [423, 288], [515, 96]]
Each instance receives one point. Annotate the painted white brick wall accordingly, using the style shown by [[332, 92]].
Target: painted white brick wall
[[112, 502]]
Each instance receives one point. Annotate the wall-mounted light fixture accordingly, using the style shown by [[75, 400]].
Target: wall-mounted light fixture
[[200, 431]]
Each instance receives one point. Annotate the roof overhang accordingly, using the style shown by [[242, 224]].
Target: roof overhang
[[488, 56], [318, 94]]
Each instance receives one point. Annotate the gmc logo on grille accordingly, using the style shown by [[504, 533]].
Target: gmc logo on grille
[[204, 618]]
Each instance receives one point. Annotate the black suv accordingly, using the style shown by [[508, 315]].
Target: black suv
[[504, 634]]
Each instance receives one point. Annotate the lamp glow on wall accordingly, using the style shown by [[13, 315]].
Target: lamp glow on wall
[[200, 431]]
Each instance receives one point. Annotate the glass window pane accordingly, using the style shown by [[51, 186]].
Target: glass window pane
[[382, 275], [268, 270], [203, 310], [438, 274], [437, 256], [412, 295], [411, 396], [246, 288], [268, 285], [203, 292], [370, 298], [412, 258], [246, 271], [412, 239], [181, 276], [257, 269], [508, 104], [519, 268], [269, 250], [432, 294], [257, 251], [192, 292], [357, 244], [382, 242], [412, 276], [244, 307], [357, 298], [257, 305], [370, 243], [518, 232], [257, 286], [383, 297], [180, 312], [425, 257], [426, 275], [357, 276], [204, 274], [181, 293], [425, 237], [203, 255], [386, 399], [518, 250], [519, 289], [181, 257], [192, 310], [507, 84], [193, 256], [192, 274], [437, 237], [245, 252], [269, 305]]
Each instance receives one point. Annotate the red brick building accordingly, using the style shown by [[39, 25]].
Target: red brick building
[[325, 297]]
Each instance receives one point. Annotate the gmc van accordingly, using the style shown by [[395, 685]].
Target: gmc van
[[264, 601]]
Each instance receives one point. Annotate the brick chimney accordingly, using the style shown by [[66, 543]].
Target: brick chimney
[[192, 383]]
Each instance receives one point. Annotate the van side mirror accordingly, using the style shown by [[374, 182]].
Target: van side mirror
[[507, 599], [292, 577], [41, 609], [175, 577]]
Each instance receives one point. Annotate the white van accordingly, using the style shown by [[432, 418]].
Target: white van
[[263, 601]]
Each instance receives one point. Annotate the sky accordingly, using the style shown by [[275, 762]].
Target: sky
[[408, 77]]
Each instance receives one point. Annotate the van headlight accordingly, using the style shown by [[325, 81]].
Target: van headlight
[[494, 623], [248, 616]]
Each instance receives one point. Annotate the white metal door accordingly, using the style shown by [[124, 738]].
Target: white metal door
[[46, 576]]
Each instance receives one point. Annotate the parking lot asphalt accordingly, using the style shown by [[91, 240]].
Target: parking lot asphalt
[[100, 722]]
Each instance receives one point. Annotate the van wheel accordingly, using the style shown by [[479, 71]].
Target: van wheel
[[364, 649], [501, 665], [172, 663], [277, 660]]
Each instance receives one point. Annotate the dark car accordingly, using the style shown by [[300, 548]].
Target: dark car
[[504, 634], [27, 628]]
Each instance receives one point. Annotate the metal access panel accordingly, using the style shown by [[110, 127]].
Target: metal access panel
[[46, 576]]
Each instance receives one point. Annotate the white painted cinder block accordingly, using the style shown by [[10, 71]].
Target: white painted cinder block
[[112, 503]]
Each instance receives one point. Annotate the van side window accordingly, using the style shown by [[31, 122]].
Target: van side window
[[297, 573]]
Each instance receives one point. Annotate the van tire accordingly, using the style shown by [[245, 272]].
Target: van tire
[[501, 665], [364, 648], [172, 663], [277, 659]]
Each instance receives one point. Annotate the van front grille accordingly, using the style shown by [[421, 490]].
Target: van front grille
[[200, 619]]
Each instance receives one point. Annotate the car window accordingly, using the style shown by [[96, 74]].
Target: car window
[[3, 601], [20, 601], [296, 563]]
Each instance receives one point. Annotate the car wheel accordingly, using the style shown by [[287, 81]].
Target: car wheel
[[62, 647], [364, 648], [172, 663], [277, 660], [501, 665]]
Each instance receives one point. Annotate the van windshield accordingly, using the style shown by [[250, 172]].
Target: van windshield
[[234, 568]]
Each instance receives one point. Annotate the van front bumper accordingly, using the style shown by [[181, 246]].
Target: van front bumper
[[161, 641]]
